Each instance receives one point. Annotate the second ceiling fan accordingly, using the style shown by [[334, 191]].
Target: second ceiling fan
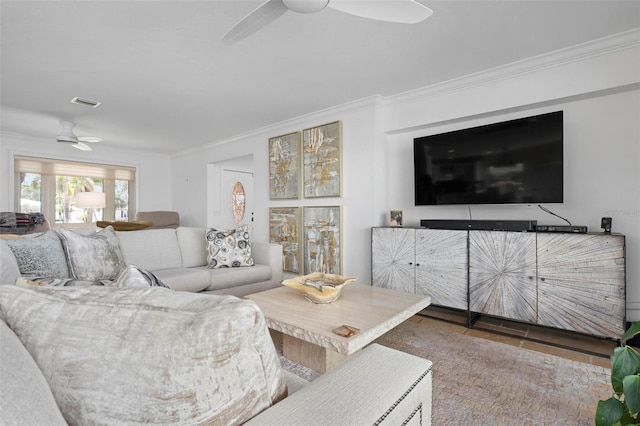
[[399, 11], [68, 136]]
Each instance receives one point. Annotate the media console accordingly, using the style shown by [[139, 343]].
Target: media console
[[567, 280]]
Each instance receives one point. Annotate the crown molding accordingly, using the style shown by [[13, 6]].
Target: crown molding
[[580, 52], [293, 123]]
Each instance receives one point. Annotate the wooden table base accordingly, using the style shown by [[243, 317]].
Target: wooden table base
[[313, 356]]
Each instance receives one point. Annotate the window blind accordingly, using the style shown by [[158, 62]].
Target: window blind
[[47, 166]]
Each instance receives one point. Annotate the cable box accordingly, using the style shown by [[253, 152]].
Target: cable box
[[561, 228]]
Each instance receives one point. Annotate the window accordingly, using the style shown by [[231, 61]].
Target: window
[[52, 187]]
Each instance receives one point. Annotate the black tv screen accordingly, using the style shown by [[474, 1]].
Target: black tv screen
[[517, 161]]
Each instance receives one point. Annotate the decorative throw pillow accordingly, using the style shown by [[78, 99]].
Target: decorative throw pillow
[[92, 257], [228, 248], [134, 276], [40, 256], [133, 356]]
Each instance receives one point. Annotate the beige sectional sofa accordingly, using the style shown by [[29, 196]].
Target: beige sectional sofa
[[113, 356], [178, 257]]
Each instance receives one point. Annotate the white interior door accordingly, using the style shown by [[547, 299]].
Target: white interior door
[[236, 198]]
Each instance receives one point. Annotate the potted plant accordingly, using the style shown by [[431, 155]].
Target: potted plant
[[623, 407]]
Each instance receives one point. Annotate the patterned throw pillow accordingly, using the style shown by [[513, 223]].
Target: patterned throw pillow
[[134, 276], [57, 282], [228, 248], [40, 256], [92, 257]]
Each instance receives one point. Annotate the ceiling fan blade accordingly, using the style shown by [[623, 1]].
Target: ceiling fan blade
[[265, 14], [89, 139], [399, 11], [82, 146]]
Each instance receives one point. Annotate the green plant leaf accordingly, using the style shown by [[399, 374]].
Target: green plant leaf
[[627, 419], [625, 361], [609, 412], [631, 387], [631, 332]]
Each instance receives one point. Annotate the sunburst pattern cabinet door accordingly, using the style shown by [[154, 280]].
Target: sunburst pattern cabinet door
[[441, 266], [393, 258], [502, 274], [581, 283]]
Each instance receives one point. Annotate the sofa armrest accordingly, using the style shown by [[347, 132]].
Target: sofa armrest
[[377, 385], [271, 255]]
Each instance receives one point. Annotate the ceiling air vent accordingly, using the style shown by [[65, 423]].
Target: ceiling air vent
[[88, 102]]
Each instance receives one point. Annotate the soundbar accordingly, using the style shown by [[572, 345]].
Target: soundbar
[[561, 228], [482, 225]]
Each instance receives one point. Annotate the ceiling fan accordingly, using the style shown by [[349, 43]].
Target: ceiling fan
[[67, 136], [399, 11]]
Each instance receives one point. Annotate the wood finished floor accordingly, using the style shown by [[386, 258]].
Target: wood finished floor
[[574, 346]]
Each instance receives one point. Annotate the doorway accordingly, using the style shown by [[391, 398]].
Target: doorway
[[221, 179]]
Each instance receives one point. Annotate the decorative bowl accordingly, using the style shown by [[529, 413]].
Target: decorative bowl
[[319, 287]]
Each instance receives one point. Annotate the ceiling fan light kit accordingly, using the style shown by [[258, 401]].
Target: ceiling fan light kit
[[397, 11]]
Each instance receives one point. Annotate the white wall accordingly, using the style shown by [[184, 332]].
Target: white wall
[[597, 85], [598, 89], [601, 175], [191, 187], [153, 180]]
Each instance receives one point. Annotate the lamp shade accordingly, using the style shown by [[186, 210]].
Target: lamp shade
[[91, 200]]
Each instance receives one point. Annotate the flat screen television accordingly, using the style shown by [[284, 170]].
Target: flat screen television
[[518, 161]]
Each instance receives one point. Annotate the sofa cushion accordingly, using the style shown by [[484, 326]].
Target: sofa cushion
[[41, 255], [234, 277], [25, 396], [9, 269], [192, 246], [92, 257], [151, 249], [228, 248], [152, 356]]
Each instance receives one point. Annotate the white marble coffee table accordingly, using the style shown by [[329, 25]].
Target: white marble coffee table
[[307, 327]]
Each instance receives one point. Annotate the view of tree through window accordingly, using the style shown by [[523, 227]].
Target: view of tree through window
[[66, 189], [30, 192], [122, 200]]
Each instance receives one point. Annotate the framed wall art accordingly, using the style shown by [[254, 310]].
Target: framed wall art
[[284, 229], [322, 240], [322, 160], [284, 164]]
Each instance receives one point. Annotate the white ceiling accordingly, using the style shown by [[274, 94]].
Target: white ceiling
[[167, 83]]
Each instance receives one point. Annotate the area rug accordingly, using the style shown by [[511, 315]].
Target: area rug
[[482, 382]]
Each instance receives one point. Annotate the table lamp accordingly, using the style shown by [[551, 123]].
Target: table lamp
[[91, 201]]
